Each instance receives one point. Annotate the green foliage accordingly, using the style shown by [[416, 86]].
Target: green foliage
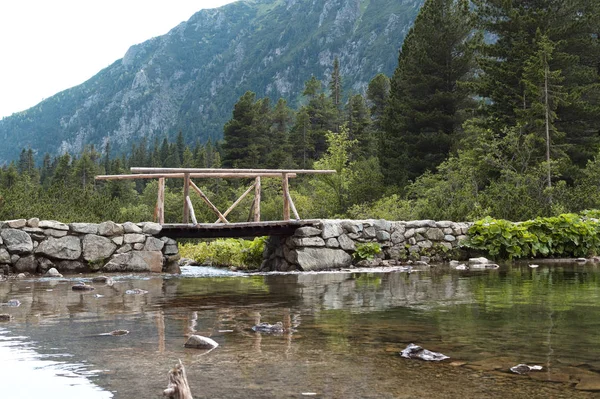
[[566, 235], [367, 250], [390, 207], [243, 254]]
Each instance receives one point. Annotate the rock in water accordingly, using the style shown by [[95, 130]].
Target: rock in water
[[82, 287], [13, 303], [53, 273], [116, 333], [5, 317], [136, 291], [276, 328], [200, 342], [100, 279], [524, 368], [413, 351]]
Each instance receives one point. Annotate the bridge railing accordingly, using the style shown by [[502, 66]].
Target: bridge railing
[[187, 174]]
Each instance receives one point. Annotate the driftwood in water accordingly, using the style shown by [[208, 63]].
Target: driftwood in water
[[178, 387]]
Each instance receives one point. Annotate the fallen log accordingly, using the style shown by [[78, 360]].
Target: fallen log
[[178, 387]]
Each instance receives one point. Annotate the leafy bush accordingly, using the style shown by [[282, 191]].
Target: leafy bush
[[563, 236], [367, 251], [244, 254]]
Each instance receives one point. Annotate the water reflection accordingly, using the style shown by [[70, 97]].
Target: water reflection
[[28, 374], [343, 331]]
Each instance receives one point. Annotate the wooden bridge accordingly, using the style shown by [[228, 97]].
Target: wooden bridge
[[222, 227]]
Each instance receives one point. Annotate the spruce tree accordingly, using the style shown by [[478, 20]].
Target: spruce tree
[[358, 124], [572, 26], [245, 140], [426, 97]]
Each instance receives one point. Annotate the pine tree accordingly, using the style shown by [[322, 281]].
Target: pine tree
[[280, 150], [335, 84], [300, 139], [245, 134], [358, 125], [542, 96], [573, 27], [426, 97], [378, 94]]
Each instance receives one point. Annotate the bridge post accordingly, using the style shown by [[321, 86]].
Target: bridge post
[[286, 197], [257, 200], [159, 210], [186, 194]]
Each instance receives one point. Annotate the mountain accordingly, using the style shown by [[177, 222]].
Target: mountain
[[189, 79]]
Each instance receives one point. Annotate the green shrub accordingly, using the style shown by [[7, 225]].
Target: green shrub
[[566, 235], [367, 251], [243, 254]]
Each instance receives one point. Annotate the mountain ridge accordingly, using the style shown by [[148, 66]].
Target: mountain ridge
[[189, 79]]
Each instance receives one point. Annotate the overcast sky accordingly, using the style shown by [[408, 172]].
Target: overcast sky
[[47, 46]]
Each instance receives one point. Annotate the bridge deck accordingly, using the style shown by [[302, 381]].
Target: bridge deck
[[220, 230]]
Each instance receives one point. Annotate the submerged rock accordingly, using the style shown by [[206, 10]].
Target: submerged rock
[[82, 287], [276, 328], [478, 261], [200, 342], [413, 351], [103, 279], [524, 368], [13, 303], [136, 291], [116, 333]]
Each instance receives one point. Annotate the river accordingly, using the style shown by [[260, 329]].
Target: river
[[345, 332]]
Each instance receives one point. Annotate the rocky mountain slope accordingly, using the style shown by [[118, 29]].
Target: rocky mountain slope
[[189, 79]]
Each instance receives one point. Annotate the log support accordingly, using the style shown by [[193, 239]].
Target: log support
[[159, 210], [186, 194], [286, 196], [257, 188]]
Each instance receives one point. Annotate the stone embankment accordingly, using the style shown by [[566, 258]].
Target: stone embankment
[[35, 246], [333, 243]]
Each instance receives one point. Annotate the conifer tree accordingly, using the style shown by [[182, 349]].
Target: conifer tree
[[426, 97], [245, 135], [378, 94], [279, 154], [358, 125], [572, 26]]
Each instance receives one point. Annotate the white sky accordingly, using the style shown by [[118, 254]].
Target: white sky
[[47, 46]]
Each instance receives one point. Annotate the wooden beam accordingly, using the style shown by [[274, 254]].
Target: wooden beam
[[186, 194], [210, 204], [192, 175], [191, 208], [237, 202], [257, 188], [286, 196], [233, 171]]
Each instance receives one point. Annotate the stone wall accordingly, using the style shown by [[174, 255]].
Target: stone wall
[[332, 243], [35, 246]]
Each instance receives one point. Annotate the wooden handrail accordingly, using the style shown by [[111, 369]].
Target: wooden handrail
[[230, 171], [212, 173], [192, 175]]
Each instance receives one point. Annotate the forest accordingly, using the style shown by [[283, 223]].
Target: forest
[[493, 110]]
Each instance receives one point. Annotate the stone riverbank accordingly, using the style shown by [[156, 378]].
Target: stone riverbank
[[35, 246], [332, 243]]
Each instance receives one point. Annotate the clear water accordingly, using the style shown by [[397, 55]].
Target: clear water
[[346, 329]]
